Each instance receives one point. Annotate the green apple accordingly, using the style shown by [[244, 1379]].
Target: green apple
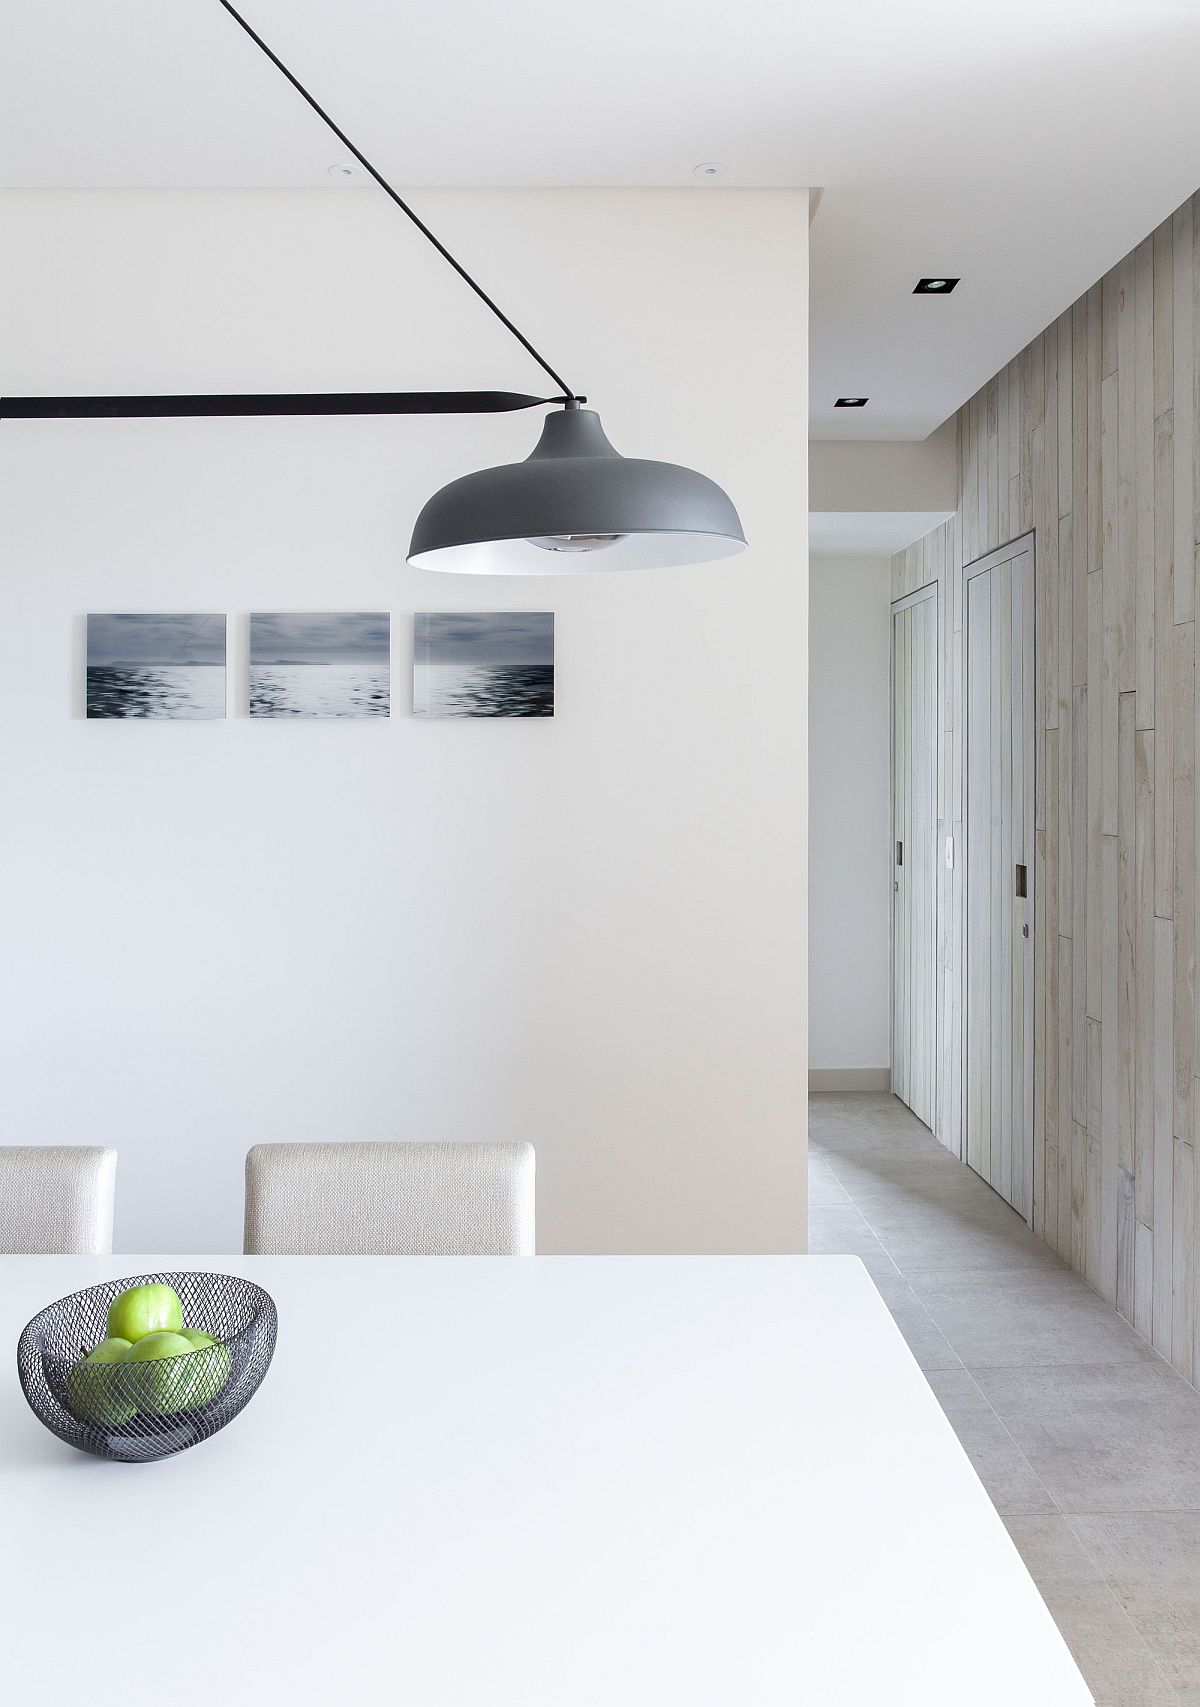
[[142, 1310], [211, 1371], [97, 1398], [162, 1384]]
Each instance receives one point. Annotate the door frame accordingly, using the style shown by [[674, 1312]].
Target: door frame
[[1025, 542], [931, 590]]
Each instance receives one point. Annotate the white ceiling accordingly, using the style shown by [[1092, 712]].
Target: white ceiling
[[1024, 146]]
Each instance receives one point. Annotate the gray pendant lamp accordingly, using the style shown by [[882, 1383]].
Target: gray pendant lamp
[[574, 506]]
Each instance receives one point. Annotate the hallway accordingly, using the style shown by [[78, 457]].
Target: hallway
[[1086, 1440]]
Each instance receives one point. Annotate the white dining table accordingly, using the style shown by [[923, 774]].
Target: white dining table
[[526, 1482]]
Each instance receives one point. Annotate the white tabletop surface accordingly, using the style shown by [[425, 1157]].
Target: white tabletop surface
[[543, 1482]]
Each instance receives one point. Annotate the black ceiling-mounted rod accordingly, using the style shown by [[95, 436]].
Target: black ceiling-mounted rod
[[400, 202], [299, 403], [309, 403]]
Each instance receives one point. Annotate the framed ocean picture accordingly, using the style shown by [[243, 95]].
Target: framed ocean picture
[[483, 664], [155, 665], [320, 664]]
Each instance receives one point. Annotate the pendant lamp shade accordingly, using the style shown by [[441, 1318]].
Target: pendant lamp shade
[[575, 506]]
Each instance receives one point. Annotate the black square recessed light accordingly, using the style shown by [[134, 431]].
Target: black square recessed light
[[851, 403], [934, 287]]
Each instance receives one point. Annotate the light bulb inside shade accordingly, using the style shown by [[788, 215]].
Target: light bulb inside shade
[[577, 541]]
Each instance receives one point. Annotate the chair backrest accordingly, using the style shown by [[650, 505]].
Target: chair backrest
[[56, 1199], [390, 1200]]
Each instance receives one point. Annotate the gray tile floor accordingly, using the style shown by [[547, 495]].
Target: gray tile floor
[[1088, 1443]]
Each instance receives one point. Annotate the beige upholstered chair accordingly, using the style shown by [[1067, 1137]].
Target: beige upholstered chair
[[389, 1200], [56, 1200]]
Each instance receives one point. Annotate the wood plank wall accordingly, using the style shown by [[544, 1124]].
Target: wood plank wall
[[1090, 438]]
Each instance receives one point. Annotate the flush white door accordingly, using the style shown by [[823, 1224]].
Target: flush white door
[[914, 836], [999, 760]]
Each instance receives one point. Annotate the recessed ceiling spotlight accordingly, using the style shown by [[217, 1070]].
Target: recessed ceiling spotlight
[[710, 169], [851, 403], [347, 172], [934, 287]]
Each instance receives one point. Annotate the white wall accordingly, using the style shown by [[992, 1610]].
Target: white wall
[[886, 474], [849, 812], [588, 932]]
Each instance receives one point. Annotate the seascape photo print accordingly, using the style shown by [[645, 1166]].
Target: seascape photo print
[[156, 666], [320, 664], [490, 664]]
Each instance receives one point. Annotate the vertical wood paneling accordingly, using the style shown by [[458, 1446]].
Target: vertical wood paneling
[[1066, 324], [1090, 1262], [1024, 469], [1079, 795], [1094, 826], [1091, 438], [1094, 375], [1079, 479], [992, 464], [1143, 479], [1064, 828], [1126, 1014], [1046, 688], [1181, 390], [1143, 1108], [1183, 862], [1104, 1205], [1047, 971], [1164, 617], [1184, 1249], [1060, 1236], [1163, 1160], [1126, 461]]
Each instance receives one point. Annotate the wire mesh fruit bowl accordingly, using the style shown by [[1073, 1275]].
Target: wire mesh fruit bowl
[[129, 1399]]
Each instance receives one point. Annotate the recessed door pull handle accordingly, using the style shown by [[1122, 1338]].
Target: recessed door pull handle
[[899, 853], [1022, 883]]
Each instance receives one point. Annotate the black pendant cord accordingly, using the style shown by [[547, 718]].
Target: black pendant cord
[[399, 201]]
